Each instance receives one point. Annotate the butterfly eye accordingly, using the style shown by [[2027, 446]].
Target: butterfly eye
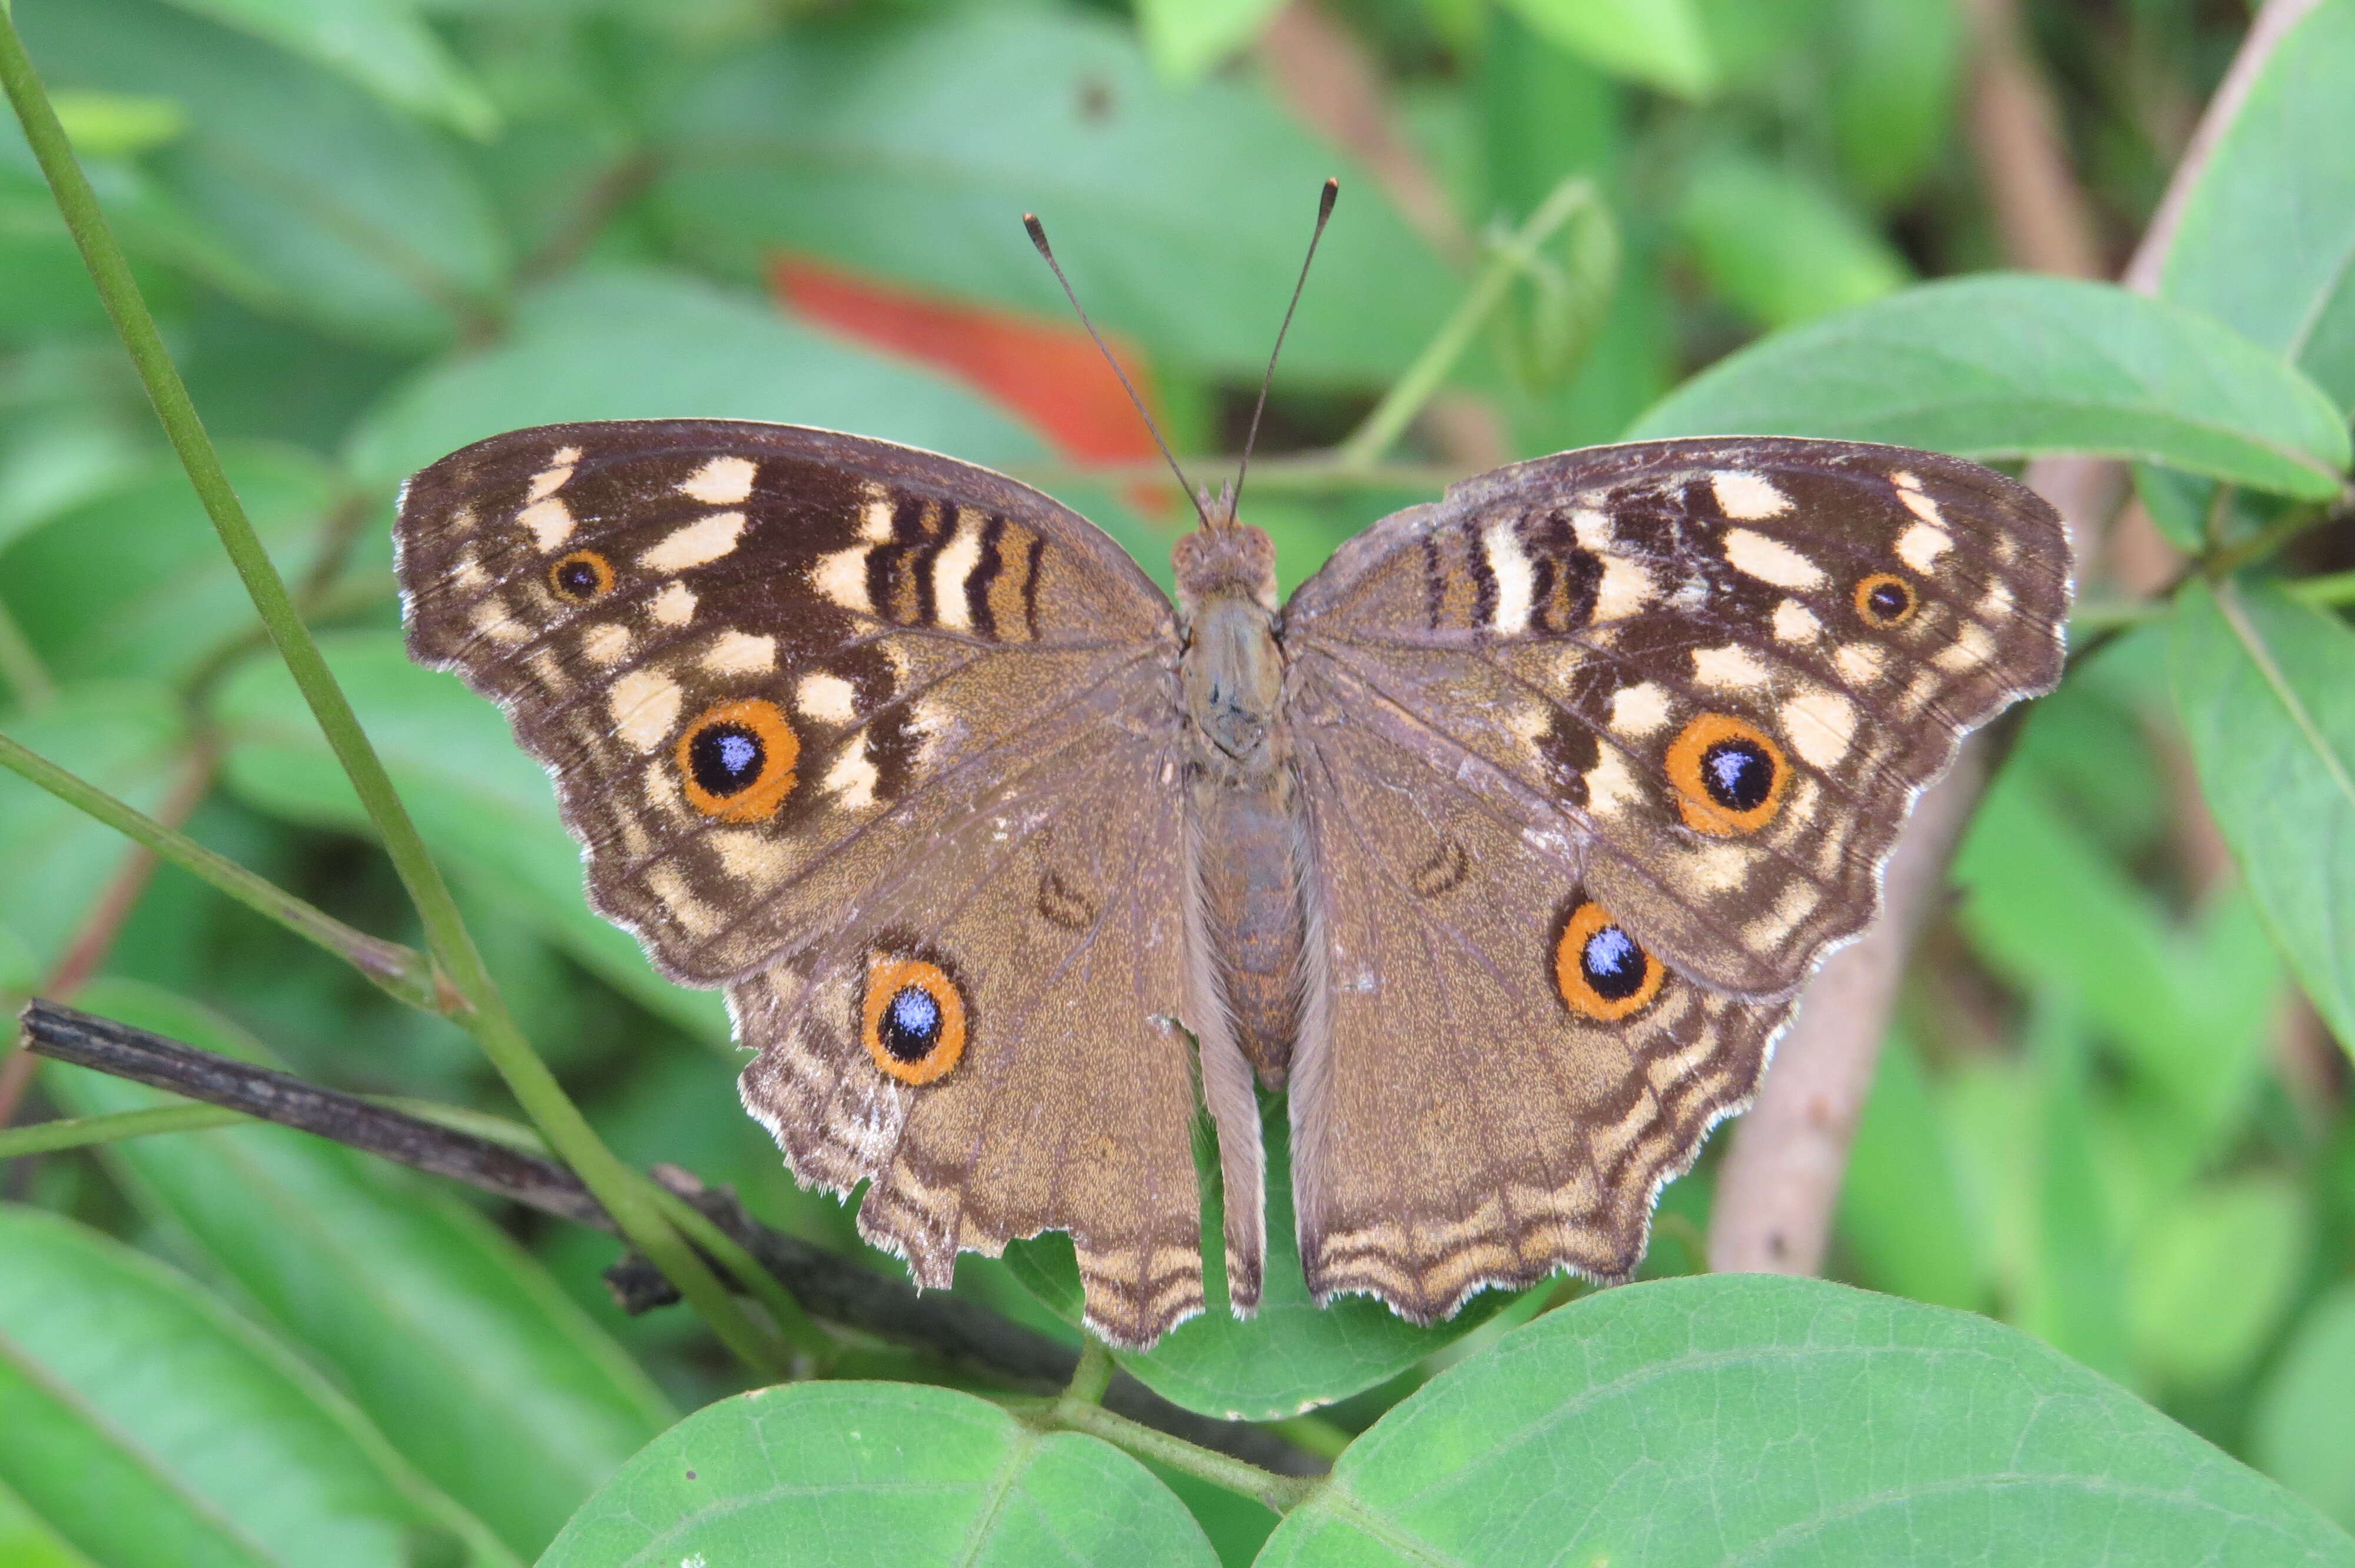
[[1599, 969], [1729, 777], [736, 761], [1885, 601], [581, 577], [913, 1019]]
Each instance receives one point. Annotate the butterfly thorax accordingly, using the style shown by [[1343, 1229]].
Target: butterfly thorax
[[1242, 801]]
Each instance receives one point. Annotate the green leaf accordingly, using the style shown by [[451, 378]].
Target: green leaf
[[134, 582], [385, 46], [484, 806], [2012, 366], [148, 1424], [648, 344], [1294, 1355], [1780, 246], [1745, 1418], [1180, 216], [1657, 42], [126, 738], [1895, 65], [2266, 240], [2266, 689], [1184, 38], [2210, 1281], [2304, 1425], [461, 1348], [839, 1475], [356, 217], [116, 124], [1900, 1213], [26, 1542], [2069, 1295]]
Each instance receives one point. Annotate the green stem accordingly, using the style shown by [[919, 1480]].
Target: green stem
[[83, 1132], [401, 971], [627, 1196], [1507, 261], [1281, 1493], [1092, 1375], [2325, 592], [2223, 561], [20, 665], [766, 1288]]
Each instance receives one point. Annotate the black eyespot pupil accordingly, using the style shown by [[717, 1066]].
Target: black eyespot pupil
[[578, 579], [1889, 600], [910, 1024], [725, 758], [1738, 774], [1612, 964]]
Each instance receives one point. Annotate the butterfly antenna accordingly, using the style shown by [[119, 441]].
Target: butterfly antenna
[[1324, 212], [1038, 237]]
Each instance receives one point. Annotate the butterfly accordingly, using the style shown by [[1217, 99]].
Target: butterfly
[[1504, 845]]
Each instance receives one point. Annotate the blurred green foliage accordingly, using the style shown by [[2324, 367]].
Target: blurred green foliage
[[2112, 1113]]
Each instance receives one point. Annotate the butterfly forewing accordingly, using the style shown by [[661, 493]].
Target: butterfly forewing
[[1719, 669], [882, 738]]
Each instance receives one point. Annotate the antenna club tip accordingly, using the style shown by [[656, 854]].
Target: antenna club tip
[[1037, 230], [1332, 194]]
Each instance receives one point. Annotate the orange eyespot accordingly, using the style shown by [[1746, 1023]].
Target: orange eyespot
[[1884, 602], [913, 1018], [1729, 777], [736, 761], [1599, 970], [581, 577]]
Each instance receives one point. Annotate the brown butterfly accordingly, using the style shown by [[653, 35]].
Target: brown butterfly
[[1505, 843]]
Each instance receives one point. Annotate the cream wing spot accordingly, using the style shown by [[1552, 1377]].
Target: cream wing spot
[[551, 521], [740, 653], [853, 778], [1921, 546], [1997, 602], [722, 482], [644, 704], [828, 699], [1748, 497], [1821, 724], [951, 568], [841, 578], [875, 515], [1860, 663], [1515, 578], [468, 574], [1795, 623], [1639, 710], [1731, 667], [1971, 648], [1771, 561], [551, 671], [674, 606], [761, 859], [607, 642], [1611, 788], [699, 543], [696, 917], [491, 619], [1626, 589], [550, 479]]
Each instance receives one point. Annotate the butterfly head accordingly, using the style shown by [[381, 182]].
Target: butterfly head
[[1233, 560]]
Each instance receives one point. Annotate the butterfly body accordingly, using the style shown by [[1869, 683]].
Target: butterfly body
[[1504, 845]]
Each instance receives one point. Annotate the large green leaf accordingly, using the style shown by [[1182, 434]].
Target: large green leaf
[[2266, 689], [2265, 242], [1657, 42], [386, 45], [483, 805], [2303, 1428], [360, 218], [1745, 1418], [650, 345], [1292, 1355], [128, 739], [2011, 366], [146, 1423], [1901, 1216], [912, 148], [1778, 245], [134, 582], [460, 1347], [845, 1473]]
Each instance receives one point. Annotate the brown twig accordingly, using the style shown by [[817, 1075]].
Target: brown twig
[[827, 1286], [2041, 212]]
